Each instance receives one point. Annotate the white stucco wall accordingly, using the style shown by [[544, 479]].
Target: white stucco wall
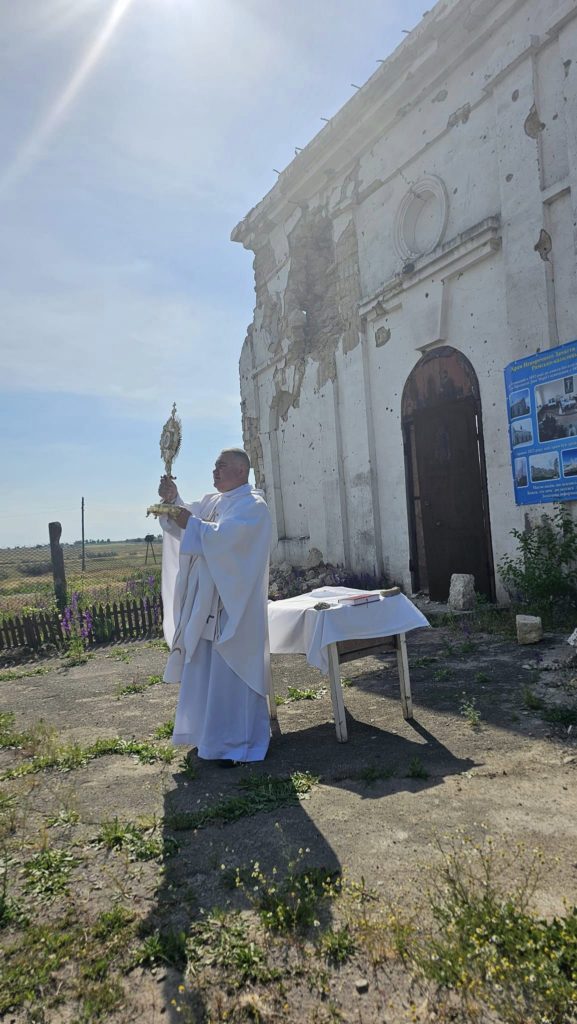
[[482, 100]]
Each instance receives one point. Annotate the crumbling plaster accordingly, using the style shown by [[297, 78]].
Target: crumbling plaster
[[483, 95]]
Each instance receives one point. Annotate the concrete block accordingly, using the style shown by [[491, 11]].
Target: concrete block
[[462, 592], [529, 629]]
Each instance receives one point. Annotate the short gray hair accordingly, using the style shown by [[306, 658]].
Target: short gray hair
[[240, 456]]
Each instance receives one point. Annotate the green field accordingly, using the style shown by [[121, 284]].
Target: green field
[[112, 570]]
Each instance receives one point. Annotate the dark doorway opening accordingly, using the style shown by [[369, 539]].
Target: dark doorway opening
[[445, 474]]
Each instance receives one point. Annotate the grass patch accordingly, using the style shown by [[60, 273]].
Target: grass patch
[[262, 793], [468, 647], [162, 947], [560, 715], [7, 675], [132, 688], [372, 773], [140, 842], [120, 654], [294, 693], [482, 677], [48, 873], [531, 701], [416, 769], [423, 661], [442, 675], [164, 731], [222, 940], [35, 956], [67, 757]]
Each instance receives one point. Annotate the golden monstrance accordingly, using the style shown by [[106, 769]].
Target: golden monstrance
[[170, 441]]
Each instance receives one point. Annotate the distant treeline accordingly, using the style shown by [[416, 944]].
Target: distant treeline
[[78, 543]]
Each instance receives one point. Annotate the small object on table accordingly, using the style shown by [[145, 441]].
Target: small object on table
[[391, 592], [321, 606]]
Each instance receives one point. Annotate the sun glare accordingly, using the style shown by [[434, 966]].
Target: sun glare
[[32, 147]]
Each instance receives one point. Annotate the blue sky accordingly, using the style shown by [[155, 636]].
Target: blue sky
[[135, 135]]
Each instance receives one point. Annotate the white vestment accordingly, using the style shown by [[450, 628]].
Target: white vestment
[[215, 593]]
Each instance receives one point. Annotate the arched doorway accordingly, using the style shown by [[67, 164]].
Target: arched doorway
[[445, 474]]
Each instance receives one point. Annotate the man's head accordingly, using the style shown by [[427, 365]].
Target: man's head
[[231, 469]]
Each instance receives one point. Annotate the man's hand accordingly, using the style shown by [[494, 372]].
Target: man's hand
[[182, 518], [167, 489]]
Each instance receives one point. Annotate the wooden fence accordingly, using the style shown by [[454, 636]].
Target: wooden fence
[[122, 620]]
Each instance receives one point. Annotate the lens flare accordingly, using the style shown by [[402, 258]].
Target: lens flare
[[33, 146]]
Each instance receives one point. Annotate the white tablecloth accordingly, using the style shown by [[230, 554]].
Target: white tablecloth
[[296, 628]]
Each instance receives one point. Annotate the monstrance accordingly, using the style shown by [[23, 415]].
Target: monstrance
[[170, 441]]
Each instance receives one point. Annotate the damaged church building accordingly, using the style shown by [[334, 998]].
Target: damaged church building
[[422, 241]]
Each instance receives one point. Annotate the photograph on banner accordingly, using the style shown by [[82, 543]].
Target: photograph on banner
[[541, 394]]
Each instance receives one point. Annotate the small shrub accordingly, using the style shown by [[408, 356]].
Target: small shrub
[[543, 575]]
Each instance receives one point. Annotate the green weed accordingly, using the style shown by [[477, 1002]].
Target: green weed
[[560, 715], [532, 701], [63, 818], [222, 940], [486, 944], [162, 947], [48, 873], [372, 773], [468, 647], [7, 675], [442, 675], [187, 768], [292, 903], [482, 677], [416, 769], [164, 731], [423, 661], [337, 945], [263, 793], [139, 841], [470, 712], [294, 694], [120, 654], [132, 688], [67, 757]]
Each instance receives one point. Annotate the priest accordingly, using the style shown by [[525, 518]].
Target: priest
[[215, 589]]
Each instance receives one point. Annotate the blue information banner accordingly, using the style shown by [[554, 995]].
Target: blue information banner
[[542, 407]]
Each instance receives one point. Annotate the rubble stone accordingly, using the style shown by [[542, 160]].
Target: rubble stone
[[462, 592], [288, 581], [529, 629]]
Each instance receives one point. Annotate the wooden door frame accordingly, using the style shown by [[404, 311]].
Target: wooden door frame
[[407, 426]]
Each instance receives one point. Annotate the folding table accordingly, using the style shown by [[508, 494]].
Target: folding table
[[330, 631]]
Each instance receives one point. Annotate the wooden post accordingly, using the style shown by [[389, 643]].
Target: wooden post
[[337, 694], [57, 556], [404, 676], [83, 555]]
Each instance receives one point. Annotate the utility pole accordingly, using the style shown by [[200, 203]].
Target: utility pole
[[82, 516]]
